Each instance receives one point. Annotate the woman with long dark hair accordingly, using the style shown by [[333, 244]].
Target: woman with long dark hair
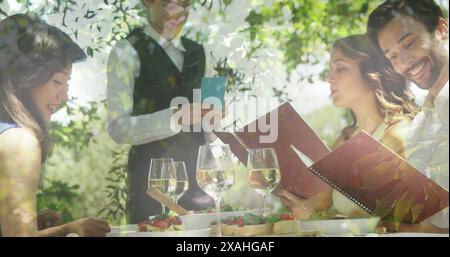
[[35, 67]]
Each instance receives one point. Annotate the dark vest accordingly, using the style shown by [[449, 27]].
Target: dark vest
[[160, 80], [158, 83]]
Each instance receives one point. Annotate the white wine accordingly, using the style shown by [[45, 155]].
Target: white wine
[[166, 186], [181, 188], [264, 181], [215, 182]]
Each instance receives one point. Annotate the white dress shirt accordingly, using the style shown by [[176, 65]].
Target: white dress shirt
[[174, 48], [122, 69], [427, 145]]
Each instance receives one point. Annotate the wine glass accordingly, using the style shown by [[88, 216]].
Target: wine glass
[[264, 172], [162, 176], [182, 180], [215, 174]]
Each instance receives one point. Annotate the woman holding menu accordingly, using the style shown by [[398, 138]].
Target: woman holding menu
[[380, 103]]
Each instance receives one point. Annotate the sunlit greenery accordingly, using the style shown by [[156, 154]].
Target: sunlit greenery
[[87, 173]]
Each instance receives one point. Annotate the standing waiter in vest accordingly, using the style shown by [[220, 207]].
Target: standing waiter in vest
[[146, 70]]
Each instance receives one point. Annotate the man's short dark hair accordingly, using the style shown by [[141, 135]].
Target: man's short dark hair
[[425, 11]]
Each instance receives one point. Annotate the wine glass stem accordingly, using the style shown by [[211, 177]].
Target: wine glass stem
[[266, 211], [219, 226], [163, 208]]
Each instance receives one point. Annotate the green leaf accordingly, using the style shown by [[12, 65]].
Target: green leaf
[[90, 51]]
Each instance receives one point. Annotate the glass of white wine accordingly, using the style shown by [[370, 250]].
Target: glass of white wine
[[182, 180], [215, 174], [162, 176], [263, 172]]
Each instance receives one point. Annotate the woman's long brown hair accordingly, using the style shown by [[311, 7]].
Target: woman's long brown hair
[[395, 101]]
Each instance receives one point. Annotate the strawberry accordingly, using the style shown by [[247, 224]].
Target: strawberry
[[240, 221], [287, 216], [160, 224]]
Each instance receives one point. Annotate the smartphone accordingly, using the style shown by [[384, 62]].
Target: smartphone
[[214, 87]]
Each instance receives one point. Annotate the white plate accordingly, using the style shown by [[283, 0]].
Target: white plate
[[337, 227], [202, 220], [413, 235], [123, 231]]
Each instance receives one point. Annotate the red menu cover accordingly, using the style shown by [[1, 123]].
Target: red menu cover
[[380, 181], [293, 131]]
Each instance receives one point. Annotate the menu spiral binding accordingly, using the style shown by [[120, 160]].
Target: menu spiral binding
[[239, 139], [340, 190]]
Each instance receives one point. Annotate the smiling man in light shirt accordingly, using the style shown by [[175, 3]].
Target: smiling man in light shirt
[[413, 35], [146, 71]]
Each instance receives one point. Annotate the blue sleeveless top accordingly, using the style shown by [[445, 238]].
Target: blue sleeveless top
[[6, 126]]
